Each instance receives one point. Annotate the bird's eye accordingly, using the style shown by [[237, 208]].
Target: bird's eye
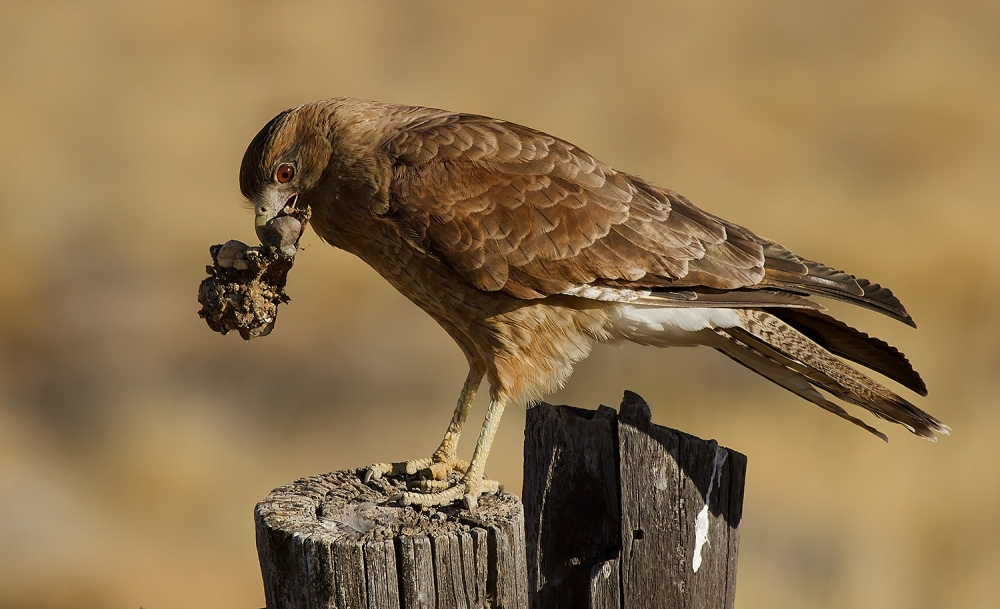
[[285, 173]]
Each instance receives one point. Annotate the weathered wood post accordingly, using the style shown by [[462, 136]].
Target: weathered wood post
[[618, 513], [621, 513], [331, 541]]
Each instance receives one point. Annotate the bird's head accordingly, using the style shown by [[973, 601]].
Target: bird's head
[[283, 162]]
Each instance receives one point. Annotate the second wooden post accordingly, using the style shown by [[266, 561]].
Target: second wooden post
[[624, 514]]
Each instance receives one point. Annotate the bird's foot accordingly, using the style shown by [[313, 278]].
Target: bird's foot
[[437, 468], [442, 492]]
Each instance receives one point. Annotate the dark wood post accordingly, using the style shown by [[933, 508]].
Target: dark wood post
[[624, 514], [331, 541]]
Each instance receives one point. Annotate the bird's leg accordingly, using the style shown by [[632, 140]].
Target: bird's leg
[[472, 484], [445, 458]]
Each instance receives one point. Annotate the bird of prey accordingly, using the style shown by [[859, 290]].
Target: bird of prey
[[527, 250]]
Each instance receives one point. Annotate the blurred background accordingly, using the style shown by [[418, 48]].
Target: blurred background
[[134, 442]]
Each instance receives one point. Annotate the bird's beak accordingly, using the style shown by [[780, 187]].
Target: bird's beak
[[268, 207]]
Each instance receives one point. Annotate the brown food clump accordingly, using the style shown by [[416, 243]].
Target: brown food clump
[[246, 284]]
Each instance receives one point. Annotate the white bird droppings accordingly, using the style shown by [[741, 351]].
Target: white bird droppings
[[701, 521]]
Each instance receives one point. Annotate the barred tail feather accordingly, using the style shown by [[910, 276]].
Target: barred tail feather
[[841, 339], [782, 376], [776, 350]]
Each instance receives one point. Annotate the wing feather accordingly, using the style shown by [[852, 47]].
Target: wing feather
[[516, 210]]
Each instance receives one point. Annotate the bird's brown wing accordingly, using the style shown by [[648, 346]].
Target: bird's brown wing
[[516, 210]]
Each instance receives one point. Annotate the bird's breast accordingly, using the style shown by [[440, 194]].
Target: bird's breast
[[527, 346]]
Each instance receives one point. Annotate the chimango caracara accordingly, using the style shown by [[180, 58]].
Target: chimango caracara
[[527, 250]]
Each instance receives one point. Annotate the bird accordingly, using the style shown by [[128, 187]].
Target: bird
[[527, 251]]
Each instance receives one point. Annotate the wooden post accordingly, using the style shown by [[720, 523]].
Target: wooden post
[[331, 541], [618, 514], [624, 514]]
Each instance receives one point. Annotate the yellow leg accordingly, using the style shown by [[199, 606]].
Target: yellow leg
[[472, 484], [448, 451], [445, 458]]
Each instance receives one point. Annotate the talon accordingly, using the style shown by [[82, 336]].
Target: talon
[[376, 471]]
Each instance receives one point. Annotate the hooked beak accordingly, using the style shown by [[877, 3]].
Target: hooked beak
[[270, 207]]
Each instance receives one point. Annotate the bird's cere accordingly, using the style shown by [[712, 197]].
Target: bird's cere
[[701, 521]]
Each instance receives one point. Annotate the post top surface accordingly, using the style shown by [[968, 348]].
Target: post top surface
[[339, 507]]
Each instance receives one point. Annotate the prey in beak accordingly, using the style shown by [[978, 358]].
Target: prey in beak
[[278, 221], [271, 205], [247, 283]]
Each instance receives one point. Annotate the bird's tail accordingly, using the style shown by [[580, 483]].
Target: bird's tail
[[777, 350]]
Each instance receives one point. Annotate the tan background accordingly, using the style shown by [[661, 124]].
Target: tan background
[[134, 442]]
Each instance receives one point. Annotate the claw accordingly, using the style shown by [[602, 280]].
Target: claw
[[376, 471]]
